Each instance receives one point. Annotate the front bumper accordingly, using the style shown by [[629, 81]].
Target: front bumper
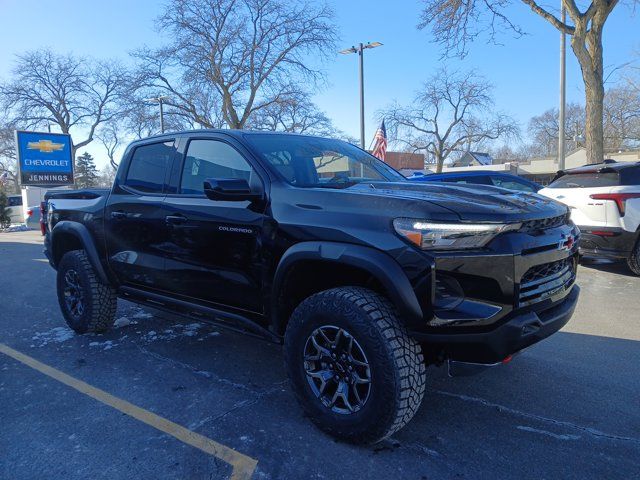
[[518, 332], [607, 242], [519, 291]]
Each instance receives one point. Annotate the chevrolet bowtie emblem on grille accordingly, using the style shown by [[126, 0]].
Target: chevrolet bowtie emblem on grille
[[45, 146], [567, 242]]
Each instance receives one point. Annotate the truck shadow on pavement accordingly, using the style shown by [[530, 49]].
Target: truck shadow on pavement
[[557, 396]]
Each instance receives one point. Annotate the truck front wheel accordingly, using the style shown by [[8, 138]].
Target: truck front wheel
[[86, 304], [355, 370]]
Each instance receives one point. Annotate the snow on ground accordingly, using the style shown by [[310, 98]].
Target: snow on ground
[[55, 335], [20, 227], [176, 331], [107, 344]]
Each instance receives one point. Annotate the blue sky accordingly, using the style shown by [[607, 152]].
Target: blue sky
[[524, 71]]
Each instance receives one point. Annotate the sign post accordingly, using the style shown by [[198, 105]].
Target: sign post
[[44, 159]]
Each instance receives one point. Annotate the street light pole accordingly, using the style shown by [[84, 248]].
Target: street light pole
[[160, 101], [361, 54], [161, 115], [360, 51], [563, 76]]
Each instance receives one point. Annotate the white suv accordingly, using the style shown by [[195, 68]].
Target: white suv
[[605, 203]]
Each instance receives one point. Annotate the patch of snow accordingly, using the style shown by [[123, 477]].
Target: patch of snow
[[55, 335], [122, 322], [191, 329], [106, 345], [210, 334], [177, 330], [142, 314], [21, 227]]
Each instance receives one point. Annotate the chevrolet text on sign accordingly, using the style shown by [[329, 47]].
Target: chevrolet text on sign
[[44, 158]]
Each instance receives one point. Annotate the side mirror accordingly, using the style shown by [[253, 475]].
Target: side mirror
[[230, 189]]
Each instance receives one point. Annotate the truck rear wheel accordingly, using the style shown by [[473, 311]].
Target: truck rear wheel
[[355, 370], [86, 304]]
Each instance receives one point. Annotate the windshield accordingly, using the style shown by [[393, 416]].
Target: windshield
[[586, 180], [320, 162]]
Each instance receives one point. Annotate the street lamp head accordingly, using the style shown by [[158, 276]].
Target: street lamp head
[[159, 99], [347, 51]]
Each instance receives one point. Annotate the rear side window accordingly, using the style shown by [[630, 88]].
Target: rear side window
[[512, 184], [630, 176], [212, 159], [479, 180], [587, 180], [148, 167]]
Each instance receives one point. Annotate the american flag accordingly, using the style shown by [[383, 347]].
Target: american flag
[[380, 142]]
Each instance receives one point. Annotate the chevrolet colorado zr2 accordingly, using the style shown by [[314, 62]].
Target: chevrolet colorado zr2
[[365, 277]]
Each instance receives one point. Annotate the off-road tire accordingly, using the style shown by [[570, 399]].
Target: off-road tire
[[633, 262], [99, 300], [397, 364]]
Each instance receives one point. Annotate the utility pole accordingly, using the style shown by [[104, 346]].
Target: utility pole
[[563, 77], [360, 51]]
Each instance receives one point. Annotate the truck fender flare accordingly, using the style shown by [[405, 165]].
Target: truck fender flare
[[82, 234], [383, 267]]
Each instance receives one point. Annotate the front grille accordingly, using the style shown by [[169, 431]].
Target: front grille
[[542, 281], [544, 223]]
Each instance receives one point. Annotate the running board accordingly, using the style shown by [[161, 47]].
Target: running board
[[227, 320]]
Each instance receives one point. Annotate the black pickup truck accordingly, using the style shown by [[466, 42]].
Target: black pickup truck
[[365, 277]]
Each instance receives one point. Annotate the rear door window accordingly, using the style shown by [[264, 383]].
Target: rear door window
[[148, 167], [587, 180]]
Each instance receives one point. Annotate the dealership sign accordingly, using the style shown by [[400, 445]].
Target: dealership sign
[[44, 158]]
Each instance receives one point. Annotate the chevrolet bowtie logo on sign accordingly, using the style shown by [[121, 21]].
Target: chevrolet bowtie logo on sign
[[45, 159], [45, 146]]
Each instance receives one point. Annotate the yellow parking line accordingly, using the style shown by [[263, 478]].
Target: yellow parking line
[[243, 466]]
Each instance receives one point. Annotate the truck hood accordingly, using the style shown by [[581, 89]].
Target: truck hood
[[472, 203]]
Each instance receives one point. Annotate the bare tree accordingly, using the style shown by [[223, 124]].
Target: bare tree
[[455, 23], [544, 130], [111, 137], [450, 114], [72, 93], [506, 153], [8, 159], [296, 113], [229, 59], [621, 118], [106, 176]]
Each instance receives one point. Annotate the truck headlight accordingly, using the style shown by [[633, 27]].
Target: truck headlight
[[449, 236]]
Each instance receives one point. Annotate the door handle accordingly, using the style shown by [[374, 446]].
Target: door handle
[[175, 219], [119, 215]]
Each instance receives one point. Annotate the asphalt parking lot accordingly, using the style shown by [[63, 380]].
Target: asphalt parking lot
[[191, 401]]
